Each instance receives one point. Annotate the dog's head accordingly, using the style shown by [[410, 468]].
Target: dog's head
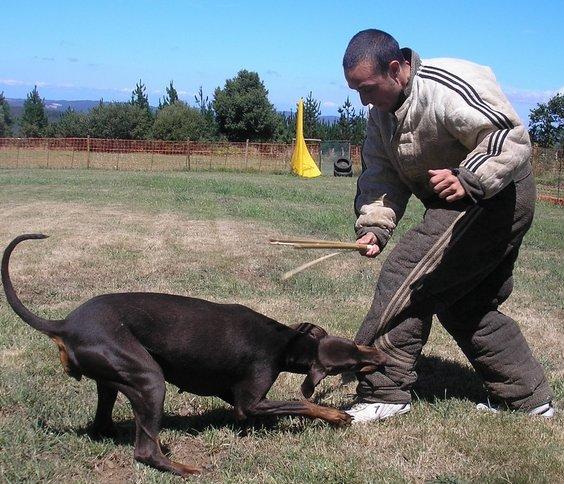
[[336, 355]]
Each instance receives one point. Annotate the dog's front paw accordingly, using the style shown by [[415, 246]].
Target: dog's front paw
[[340, 418]]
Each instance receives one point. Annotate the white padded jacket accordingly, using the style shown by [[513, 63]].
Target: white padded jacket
[[454, 116]]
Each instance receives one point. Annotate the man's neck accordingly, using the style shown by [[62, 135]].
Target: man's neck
[[405, 74]]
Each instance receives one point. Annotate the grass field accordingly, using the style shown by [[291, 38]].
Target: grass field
[[203, 234]]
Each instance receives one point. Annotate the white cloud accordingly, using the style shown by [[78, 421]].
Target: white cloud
[[13, 82], [329, 104], [530, 96]]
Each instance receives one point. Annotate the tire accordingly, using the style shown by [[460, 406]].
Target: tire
[[342, 167]]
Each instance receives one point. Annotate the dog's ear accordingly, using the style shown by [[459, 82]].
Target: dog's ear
[[316, 332], [315, 375], [372, 358]]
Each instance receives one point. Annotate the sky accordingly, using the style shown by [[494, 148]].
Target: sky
[[75, 50]]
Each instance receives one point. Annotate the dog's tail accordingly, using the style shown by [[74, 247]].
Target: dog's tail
[[44, 325]]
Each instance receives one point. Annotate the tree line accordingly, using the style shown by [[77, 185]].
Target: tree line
[[239, 111]]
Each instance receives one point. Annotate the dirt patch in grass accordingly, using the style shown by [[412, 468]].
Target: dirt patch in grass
[[94, 251], [11, 357], [119, 465], [191, 451]]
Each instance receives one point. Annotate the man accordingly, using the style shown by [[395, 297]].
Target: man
[[442, 130]]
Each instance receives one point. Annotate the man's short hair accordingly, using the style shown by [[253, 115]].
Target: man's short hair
[[375, 46]]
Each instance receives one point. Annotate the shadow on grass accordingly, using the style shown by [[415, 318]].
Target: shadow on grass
[[124, 430], [441, 379], [438, 379]]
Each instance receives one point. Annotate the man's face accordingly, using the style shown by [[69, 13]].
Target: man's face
[[380, 90]]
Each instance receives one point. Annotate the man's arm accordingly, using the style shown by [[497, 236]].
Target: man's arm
[[381, 195], [483, 120]]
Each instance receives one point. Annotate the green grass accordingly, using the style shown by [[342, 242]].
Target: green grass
[[203, 234]]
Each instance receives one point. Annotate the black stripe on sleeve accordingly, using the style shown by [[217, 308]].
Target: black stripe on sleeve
[[501, 117]]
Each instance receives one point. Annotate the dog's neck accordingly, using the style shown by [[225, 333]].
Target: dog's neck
[[301, 353]]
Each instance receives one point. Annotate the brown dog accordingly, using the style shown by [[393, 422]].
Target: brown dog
[[134, 342]]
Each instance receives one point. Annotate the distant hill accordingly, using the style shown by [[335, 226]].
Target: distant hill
[[324, 119], [58, 105], [53, 108]]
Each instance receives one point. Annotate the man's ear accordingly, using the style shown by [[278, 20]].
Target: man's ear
[[394, 68], [315, 375], [316, 332]]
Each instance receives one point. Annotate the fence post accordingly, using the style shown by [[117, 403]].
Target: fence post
[[88, 152], [18, 155], [247, 154], [48, 152], [187, 161], [152, 153], [260, 159], [559, 159]]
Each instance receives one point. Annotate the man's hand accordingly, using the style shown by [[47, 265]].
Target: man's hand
[[369, 238], [446, 184]]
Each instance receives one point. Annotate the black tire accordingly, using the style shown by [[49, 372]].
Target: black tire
[[342, 167]]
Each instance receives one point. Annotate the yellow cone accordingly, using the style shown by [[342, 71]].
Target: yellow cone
[[302, 162]]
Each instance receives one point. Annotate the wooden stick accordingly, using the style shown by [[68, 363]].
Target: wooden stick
[[319, 244], [293, 272], [338, 245], [285, 241]]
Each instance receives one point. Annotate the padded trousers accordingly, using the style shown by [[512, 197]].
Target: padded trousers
[[457, 264]]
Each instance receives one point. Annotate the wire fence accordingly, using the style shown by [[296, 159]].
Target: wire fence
[[147, 155], [154, 155], [547, 167]]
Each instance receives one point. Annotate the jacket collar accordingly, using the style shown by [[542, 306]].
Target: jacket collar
[[415, 62]]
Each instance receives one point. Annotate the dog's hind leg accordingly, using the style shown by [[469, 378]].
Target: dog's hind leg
[[103, 425], [147, 403], [127, 367]]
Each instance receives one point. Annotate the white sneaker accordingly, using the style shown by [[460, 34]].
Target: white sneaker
[[546, 410], [369, 412]]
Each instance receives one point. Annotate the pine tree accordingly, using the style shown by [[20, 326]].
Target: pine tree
[[312, 111], [206, 110], [350, 126], [170, 98], [34, 119], [346, 117], [6, 120], [139, 96]]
